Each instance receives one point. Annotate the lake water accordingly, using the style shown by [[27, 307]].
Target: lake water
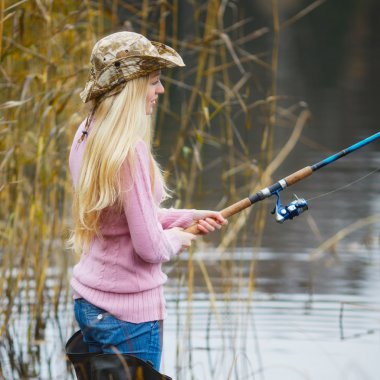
[[305, 320]]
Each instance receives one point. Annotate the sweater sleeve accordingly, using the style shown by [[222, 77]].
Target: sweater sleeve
[[150, 241], [171, 217]]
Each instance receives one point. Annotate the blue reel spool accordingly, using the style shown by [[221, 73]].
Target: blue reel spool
[[293, 209]]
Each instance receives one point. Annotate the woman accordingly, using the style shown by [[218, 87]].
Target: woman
[[120, 230]]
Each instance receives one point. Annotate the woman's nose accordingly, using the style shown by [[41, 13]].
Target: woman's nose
[[160, 89]]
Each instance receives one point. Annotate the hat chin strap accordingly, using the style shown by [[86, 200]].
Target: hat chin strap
[[88, 122]]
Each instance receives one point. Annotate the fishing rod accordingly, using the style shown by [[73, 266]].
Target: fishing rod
[[297, 206]]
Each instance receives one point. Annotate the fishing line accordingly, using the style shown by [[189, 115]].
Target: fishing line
[[345, 186], [299, 205]]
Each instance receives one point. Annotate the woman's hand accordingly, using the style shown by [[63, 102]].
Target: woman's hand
[[208, 221], [186, 238]]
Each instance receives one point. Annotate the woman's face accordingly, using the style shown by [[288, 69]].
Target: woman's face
[[155, 88]]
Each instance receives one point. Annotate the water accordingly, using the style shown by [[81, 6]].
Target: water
[[305, 320]]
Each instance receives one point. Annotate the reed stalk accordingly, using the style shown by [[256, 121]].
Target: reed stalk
[[337, 237]]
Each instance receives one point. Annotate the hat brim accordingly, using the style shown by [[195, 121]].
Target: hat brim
[[130, 67]]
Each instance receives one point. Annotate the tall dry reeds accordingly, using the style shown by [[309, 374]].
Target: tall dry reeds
[[44, 53]]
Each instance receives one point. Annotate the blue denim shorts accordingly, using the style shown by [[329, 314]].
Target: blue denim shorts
[[102, 332]]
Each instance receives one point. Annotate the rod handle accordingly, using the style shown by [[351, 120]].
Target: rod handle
[[236, 207], [298, 175], [226, 213]]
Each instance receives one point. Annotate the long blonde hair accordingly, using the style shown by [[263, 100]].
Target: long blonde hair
[[119, 122]]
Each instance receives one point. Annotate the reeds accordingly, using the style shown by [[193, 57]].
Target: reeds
[[216, 117], [42, 61]]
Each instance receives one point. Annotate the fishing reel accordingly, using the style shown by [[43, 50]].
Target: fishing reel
[[294, 208]]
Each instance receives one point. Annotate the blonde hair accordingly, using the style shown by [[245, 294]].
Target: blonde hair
[[120, 121]]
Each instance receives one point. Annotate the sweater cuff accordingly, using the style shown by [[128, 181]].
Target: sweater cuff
[[186, 219], [176, 217]]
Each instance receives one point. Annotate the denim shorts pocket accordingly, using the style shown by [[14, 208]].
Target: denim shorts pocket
[[88, 315]]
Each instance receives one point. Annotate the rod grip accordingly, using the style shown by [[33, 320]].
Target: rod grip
[[236, 207], [298, 175], [226, 213]]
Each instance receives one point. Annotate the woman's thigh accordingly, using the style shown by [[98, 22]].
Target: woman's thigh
[[105, 333]]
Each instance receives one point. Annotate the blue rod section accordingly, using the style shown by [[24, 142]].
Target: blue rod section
[[344, 152]]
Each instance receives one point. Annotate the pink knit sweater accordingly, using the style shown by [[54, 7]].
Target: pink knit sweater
[[122, 273]]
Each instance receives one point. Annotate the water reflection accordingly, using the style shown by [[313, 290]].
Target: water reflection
[[305, 319]]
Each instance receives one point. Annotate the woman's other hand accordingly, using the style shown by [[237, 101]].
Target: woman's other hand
[[209, 221], [186, 238]]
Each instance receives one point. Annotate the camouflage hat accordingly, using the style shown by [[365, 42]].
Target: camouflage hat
[[123, 56]]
